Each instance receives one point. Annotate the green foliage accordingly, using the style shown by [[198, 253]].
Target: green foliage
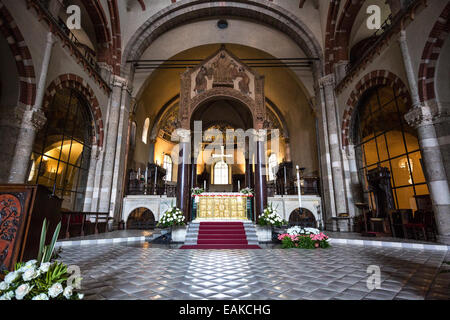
[[45, 252], [41, 279], [270, 218], [33, 281], [172, 217]]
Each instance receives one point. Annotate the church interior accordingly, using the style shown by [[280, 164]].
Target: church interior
[[328, 114]]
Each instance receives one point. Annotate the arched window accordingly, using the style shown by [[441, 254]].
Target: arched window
[[221, 173], [167, 164], [383, 138], [145, 130], [273, 165], [62, 149]]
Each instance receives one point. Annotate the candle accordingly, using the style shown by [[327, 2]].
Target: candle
[[204, 185], [299, 188], [139, 173], [146, 175], [239, 185]]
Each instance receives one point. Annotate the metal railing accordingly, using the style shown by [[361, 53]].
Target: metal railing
[[379, 36], [58, 26]]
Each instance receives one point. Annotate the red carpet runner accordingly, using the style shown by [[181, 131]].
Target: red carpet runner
[[221, 235]]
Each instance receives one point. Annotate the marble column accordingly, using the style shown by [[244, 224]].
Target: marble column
[[260, 176], [327, 84], [111, 143], [33, 119], [183, 192], [424, 118]]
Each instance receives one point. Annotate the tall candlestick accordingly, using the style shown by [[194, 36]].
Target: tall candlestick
[[145, 180], [156, 177], [299, 188]]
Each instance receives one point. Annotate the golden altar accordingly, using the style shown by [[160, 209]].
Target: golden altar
[[222, 206]]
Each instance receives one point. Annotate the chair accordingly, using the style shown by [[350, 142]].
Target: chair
[[421, 226]]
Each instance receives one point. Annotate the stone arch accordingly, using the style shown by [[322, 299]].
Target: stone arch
[[185, 11], [372, 79], [167, 107], [22, 55], [431, 54], [75, 82], [144, 218], [129, 211], [306, 219], [224, 93]]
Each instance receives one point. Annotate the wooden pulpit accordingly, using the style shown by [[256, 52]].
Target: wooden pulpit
[[22, 212]]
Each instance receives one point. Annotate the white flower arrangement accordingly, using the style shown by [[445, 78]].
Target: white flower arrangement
[[172, 217], [297, 230], [270, 218], [40, 279], [33, 281]]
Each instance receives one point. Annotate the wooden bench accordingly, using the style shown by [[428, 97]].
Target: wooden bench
[[80, 223]]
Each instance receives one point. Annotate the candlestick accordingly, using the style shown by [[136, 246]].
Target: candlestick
[[156, 177], [299, 189], [146, 181]]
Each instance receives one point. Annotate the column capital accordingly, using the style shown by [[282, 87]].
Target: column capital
[[119, 81], [24, 117], [328, 80], [419, 116]]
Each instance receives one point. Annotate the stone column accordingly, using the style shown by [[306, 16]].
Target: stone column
[[32, 121], [183, 192], [287, 148], [260, 175], [423, 119], [327, 84], [111, 143], [420, 117], [120, 158], [90, 181]]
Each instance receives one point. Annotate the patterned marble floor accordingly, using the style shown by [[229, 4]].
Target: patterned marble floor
[[120, 272]]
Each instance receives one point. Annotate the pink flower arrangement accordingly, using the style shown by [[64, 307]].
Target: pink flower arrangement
[[319, 237], [306, 241]]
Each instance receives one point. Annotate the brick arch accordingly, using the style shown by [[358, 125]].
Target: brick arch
[[430, 55], [370, 80], [75, 82], [22, 55], [333, 12], [344, 29], [102, 33]]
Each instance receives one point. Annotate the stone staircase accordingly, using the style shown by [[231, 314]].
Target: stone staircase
[[221, 235]]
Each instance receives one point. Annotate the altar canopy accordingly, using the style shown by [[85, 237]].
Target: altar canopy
[[222, 206]]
